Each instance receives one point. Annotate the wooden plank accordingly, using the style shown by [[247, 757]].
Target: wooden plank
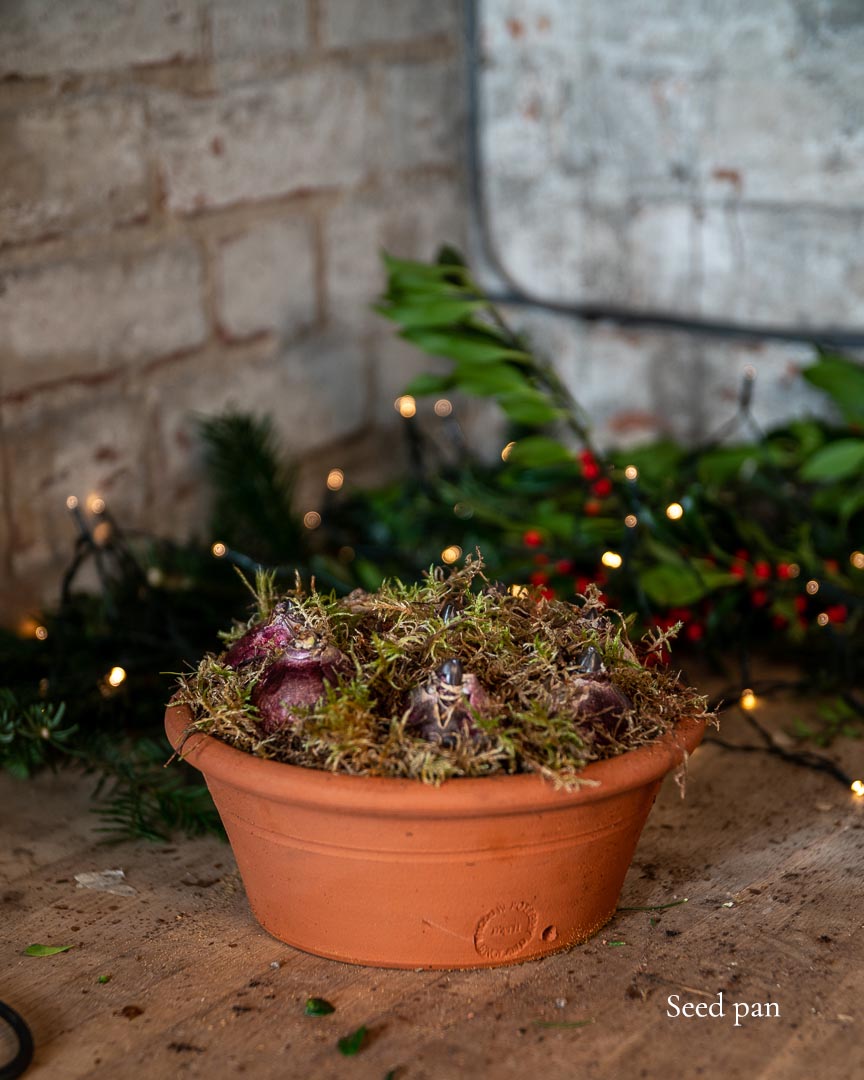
[[783, 846]]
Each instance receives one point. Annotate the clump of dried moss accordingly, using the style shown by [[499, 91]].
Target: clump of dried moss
[[519, 646]]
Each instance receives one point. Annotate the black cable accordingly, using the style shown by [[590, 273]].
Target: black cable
[[21, 1062], [825, 336]]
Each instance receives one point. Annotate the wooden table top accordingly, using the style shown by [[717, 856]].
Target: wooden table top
[[769, 856]]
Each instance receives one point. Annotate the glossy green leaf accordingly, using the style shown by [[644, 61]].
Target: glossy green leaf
[[470, 345], [431, 312], [679, 586], [528, 407], [45, 950], [353, 1043], [408, 269], [537, 452], [430, 384], [489, 380], [316, 1006], [843, 380], [836, 461]]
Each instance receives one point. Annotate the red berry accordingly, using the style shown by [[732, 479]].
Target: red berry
[[695, 631], [539, 578], [738, 570], [759, 597], [592, 508], [532, 538], [587, 458], [837, 612], [581, 584], [590, 470], [742, 553], [762, 570], [783, 571], [547, 593], [564, 566], [602, 487]]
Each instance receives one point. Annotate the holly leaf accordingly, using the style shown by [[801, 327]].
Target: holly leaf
[[836, 461], [353, 1043], [45, 950], [316, 1006]]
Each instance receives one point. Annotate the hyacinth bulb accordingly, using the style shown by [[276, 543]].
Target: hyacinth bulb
[[443, 708], [295, 680], [299, 664], [276, 635], [596, 697]]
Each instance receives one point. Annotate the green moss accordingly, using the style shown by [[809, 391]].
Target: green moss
[[519, 647]]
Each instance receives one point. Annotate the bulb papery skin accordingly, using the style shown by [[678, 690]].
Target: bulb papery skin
[[444, 708], [295, 681]]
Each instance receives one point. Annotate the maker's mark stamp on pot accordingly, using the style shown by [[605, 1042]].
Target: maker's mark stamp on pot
[[505, 930]]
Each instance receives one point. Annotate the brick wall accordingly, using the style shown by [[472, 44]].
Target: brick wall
[[192, 200], [703, 159]]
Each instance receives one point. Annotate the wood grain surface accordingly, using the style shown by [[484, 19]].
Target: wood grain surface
[[770, 857]]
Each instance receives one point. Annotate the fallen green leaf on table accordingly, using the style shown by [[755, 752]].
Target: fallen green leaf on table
[[45, 950], [319, 1007], [353, 1043], [104, 979], [615, 944]]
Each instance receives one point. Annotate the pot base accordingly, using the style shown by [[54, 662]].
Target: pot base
[[393, 873]]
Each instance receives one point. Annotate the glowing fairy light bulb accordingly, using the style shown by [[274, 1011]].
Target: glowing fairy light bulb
[[312, 519], [519, 590], [857, 787], [218, 550], [116, 676], [443, 407], [72, 502], [631, 521], [812, 587], [611, 559], [95, 504], [857, 560], [335, 479], [451, 554], [507, 451], [748, 700], [674, 511], [406, 406], [631, 472], [41, 633], [822, 618]]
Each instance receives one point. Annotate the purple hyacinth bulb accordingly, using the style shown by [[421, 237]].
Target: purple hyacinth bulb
[[444, 706], [270, 638], [295, 680], [598, 698]]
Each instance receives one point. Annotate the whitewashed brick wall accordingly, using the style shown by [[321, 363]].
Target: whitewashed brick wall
[[193, 195], [704, 159]]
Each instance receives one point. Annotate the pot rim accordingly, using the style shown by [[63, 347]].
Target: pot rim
[[500, 794]]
